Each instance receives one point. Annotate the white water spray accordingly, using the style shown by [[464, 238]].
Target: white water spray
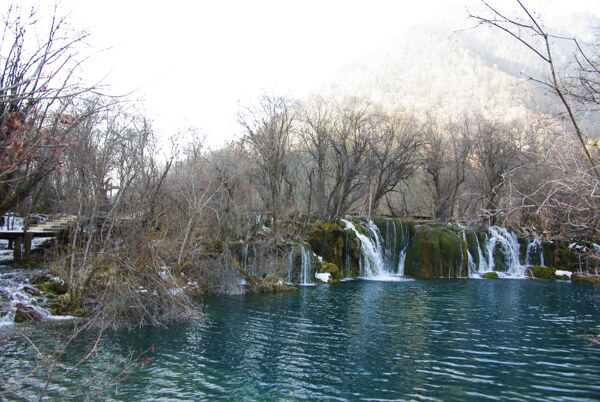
[[306, 266], [506, 242], [473, 268], [371, 261], [372, 265], [535, 253]]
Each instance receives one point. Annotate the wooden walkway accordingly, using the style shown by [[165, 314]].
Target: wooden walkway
[[21, 239]]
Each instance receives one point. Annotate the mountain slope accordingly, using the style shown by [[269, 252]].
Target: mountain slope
[[437, 68]]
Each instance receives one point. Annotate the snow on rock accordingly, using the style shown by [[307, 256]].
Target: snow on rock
[[323, 277]]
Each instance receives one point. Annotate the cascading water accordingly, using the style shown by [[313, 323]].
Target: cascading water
[[376, 256], [300, 267], [507, 243], [473, 268], [389, 251], [535, 253], [16, 292], [306, 266], [385, 257], [371, 261], [405, 242]]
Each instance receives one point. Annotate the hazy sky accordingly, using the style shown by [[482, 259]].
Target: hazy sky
[[193, 61]]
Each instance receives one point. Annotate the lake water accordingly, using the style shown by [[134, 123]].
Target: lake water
[[439, 339]]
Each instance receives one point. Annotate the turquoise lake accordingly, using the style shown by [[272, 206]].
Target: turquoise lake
[[415, 339]]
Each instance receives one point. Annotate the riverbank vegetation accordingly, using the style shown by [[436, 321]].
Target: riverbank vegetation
[[159, 227]]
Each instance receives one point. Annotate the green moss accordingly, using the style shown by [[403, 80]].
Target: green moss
[[81, 312], [542, 272], [215, 246], [594, 280], [490, 275], [332, 269], [566, 259], [436, 251], [472, 245], [270, 283], [55, 287], [328, 240], [26, 314]]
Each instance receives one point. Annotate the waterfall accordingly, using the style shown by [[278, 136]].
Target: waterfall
[[289, 264], [384, 251], [473, 268], [404, 229], [535, 253], [300, 268], [18, 293], [371, 261], [483, 266], [346, 258], [373, 256], [306, 266], [245, 257], [389, 251], [508, 244]]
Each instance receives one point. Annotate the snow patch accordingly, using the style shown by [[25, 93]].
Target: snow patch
[[324, 277]]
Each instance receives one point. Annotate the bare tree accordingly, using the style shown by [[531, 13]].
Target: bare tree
[[230, 166], [497, 152], [37, 85], [316, 139], [567, 196], [446, 152], [267, 131], [394, 154], [350, 147], [583, 79], [528, 30]]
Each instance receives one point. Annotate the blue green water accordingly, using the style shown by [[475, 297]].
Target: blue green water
[[440, 339]]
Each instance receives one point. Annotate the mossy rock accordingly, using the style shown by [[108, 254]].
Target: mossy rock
[[270, 283], [32, 291], [236, 248], [472, 245], [436, 251], [54, 287], [594, 280], [332, 269], [57, 308], [26, 314], [566, 259], [328, 240], [542, 272], [523, 244], [491, 275], [81, 312]]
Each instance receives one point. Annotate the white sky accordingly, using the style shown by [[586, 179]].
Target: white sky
[[193, 61]]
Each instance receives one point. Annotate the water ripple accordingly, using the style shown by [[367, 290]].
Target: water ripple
[[426, 340]]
